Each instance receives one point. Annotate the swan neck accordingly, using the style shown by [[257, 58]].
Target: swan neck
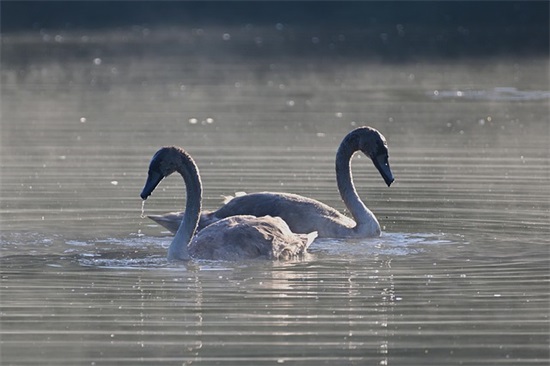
[[190, 173], [361, 214]]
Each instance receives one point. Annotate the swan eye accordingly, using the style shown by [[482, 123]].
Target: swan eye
[[157, 168]]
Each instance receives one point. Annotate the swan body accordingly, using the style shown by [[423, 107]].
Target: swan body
[[304, 215], [232, 238]]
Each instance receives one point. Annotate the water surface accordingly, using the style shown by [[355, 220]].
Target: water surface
[[459, 276]]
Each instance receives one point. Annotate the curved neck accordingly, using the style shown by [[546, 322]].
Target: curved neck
[[363, 217], [190, 173]]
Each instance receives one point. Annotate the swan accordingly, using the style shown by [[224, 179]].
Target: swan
[[231, 238], [304, 215]]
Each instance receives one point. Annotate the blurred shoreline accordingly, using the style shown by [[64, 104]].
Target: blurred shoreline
[[375, 44], [390, 31]]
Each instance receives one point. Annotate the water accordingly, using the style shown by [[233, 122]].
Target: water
[[459, 276]]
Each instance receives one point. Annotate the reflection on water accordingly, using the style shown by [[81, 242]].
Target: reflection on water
[[496, 94], [459, 275]]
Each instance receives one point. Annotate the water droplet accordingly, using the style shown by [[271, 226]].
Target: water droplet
[[97, 61], [338, 114], [82, 119], [210, 120], [193, 121], [226, 36], [290, 103], [114, 182]]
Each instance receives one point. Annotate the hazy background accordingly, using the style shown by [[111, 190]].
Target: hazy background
[[398, 30]]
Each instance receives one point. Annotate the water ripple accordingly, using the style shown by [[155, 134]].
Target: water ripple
[[397, 244]]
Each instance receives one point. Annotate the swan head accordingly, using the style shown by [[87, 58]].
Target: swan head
[[164, 162], [373, 144]]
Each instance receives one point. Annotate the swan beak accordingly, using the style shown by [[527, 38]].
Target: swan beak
[[153, 180], [381, 163]]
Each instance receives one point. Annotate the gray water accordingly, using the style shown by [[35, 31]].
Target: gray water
[[458, 277]]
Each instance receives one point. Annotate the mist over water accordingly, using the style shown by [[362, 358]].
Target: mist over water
[[459, 275]]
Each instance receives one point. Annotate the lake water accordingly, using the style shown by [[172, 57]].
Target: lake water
[[458, 277]]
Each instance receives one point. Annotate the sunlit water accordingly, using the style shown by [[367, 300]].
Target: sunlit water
[[459, 276]]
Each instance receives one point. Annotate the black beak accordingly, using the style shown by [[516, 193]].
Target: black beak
[[153, 179], [381, 163]]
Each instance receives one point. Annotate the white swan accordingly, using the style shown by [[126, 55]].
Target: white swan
[[232, 238], [304, 215]]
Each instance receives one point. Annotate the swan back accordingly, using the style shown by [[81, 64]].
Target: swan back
[[249, 237]]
